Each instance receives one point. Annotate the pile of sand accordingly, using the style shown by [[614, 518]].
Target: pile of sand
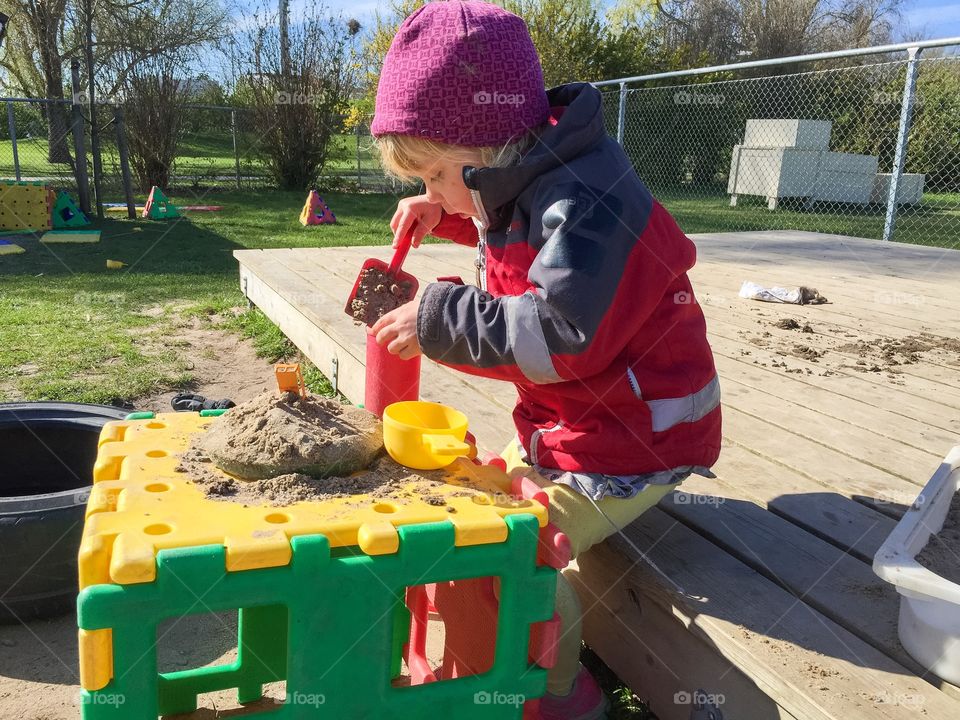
[[385, 479], [277, 434], [281, 449]]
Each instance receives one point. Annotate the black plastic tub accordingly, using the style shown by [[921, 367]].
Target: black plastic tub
[[47, 452]]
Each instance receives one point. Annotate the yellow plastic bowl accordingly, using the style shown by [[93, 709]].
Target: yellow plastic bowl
[[424, 435]]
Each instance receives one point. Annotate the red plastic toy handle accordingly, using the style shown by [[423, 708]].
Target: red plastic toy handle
[[403, 247]]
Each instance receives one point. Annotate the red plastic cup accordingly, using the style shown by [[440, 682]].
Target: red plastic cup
[[389, 379]]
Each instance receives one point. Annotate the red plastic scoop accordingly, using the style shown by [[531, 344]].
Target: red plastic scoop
[[400, 286]]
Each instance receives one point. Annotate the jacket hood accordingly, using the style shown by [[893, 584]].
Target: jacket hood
[[579, 129]]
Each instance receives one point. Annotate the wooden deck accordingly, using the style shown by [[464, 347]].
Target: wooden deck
[[766, 596]]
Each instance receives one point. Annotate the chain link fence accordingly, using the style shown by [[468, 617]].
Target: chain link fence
[[218, 148], [819, 150]]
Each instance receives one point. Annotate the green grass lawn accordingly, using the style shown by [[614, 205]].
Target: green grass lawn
[[72, 330], [209, 153], [936, 222], [203, 153]]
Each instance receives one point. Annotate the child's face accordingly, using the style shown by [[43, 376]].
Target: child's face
[[443, 182]]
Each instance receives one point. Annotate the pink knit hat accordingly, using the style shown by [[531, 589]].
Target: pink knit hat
[[463, 73]]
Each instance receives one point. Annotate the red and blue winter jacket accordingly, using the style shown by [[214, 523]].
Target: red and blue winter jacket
[[583, 303]]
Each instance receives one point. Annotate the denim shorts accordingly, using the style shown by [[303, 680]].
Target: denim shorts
[[600, 485]]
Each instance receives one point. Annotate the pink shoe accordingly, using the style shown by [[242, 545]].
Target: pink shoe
[[585, 702]]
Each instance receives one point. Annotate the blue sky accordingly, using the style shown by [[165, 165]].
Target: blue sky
[[935, 18]]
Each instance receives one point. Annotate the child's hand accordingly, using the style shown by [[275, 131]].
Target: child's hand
[[398, 330], [417, 213]]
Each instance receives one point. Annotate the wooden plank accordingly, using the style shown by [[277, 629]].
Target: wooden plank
[[829, 261], [912, 431], [773, 263], [891, 303], [833, 470], [830, 515], [918, 400], [665, 663], [810, 665], [760, 317], [856, 255], [756, 323], [868, 447], [935, 368], [315, 301], [847, 293], [839, 586]]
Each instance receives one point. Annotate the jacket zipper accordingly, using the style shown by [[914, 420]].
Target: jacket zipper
[[634, 385], [481, 222]]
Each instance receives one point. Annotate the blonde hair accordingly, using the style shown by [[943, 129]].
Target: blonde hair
[[405, 156]]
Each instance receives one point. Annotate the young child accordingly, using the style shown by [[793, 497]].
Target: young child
[[582, 299]]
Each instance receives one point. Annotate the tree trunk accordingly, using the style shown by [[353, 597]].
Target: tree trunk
[[58, 134], [48, 27]]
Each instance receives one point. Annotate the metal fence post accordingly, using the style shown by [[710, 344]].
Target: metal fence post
[[236, 153], [622, 113], [359, 175], [79, 147], [903, 136], [124, 161], [95, 155], [12, 123]]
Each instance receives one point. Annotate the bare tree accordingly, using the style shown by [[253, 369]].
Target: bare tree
[[729, 30], [47, 33], [858, 24], [299, 80], [153, 110], [131, 32], [33, 59]]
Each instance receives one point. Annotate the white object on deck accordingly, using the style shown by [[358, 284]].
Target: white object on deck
[[752, 291], [929, 625]]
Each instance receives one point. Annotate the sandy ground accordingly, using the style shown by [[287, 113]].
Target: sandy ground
[[39, 677], [225, 365], [38, 664]]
